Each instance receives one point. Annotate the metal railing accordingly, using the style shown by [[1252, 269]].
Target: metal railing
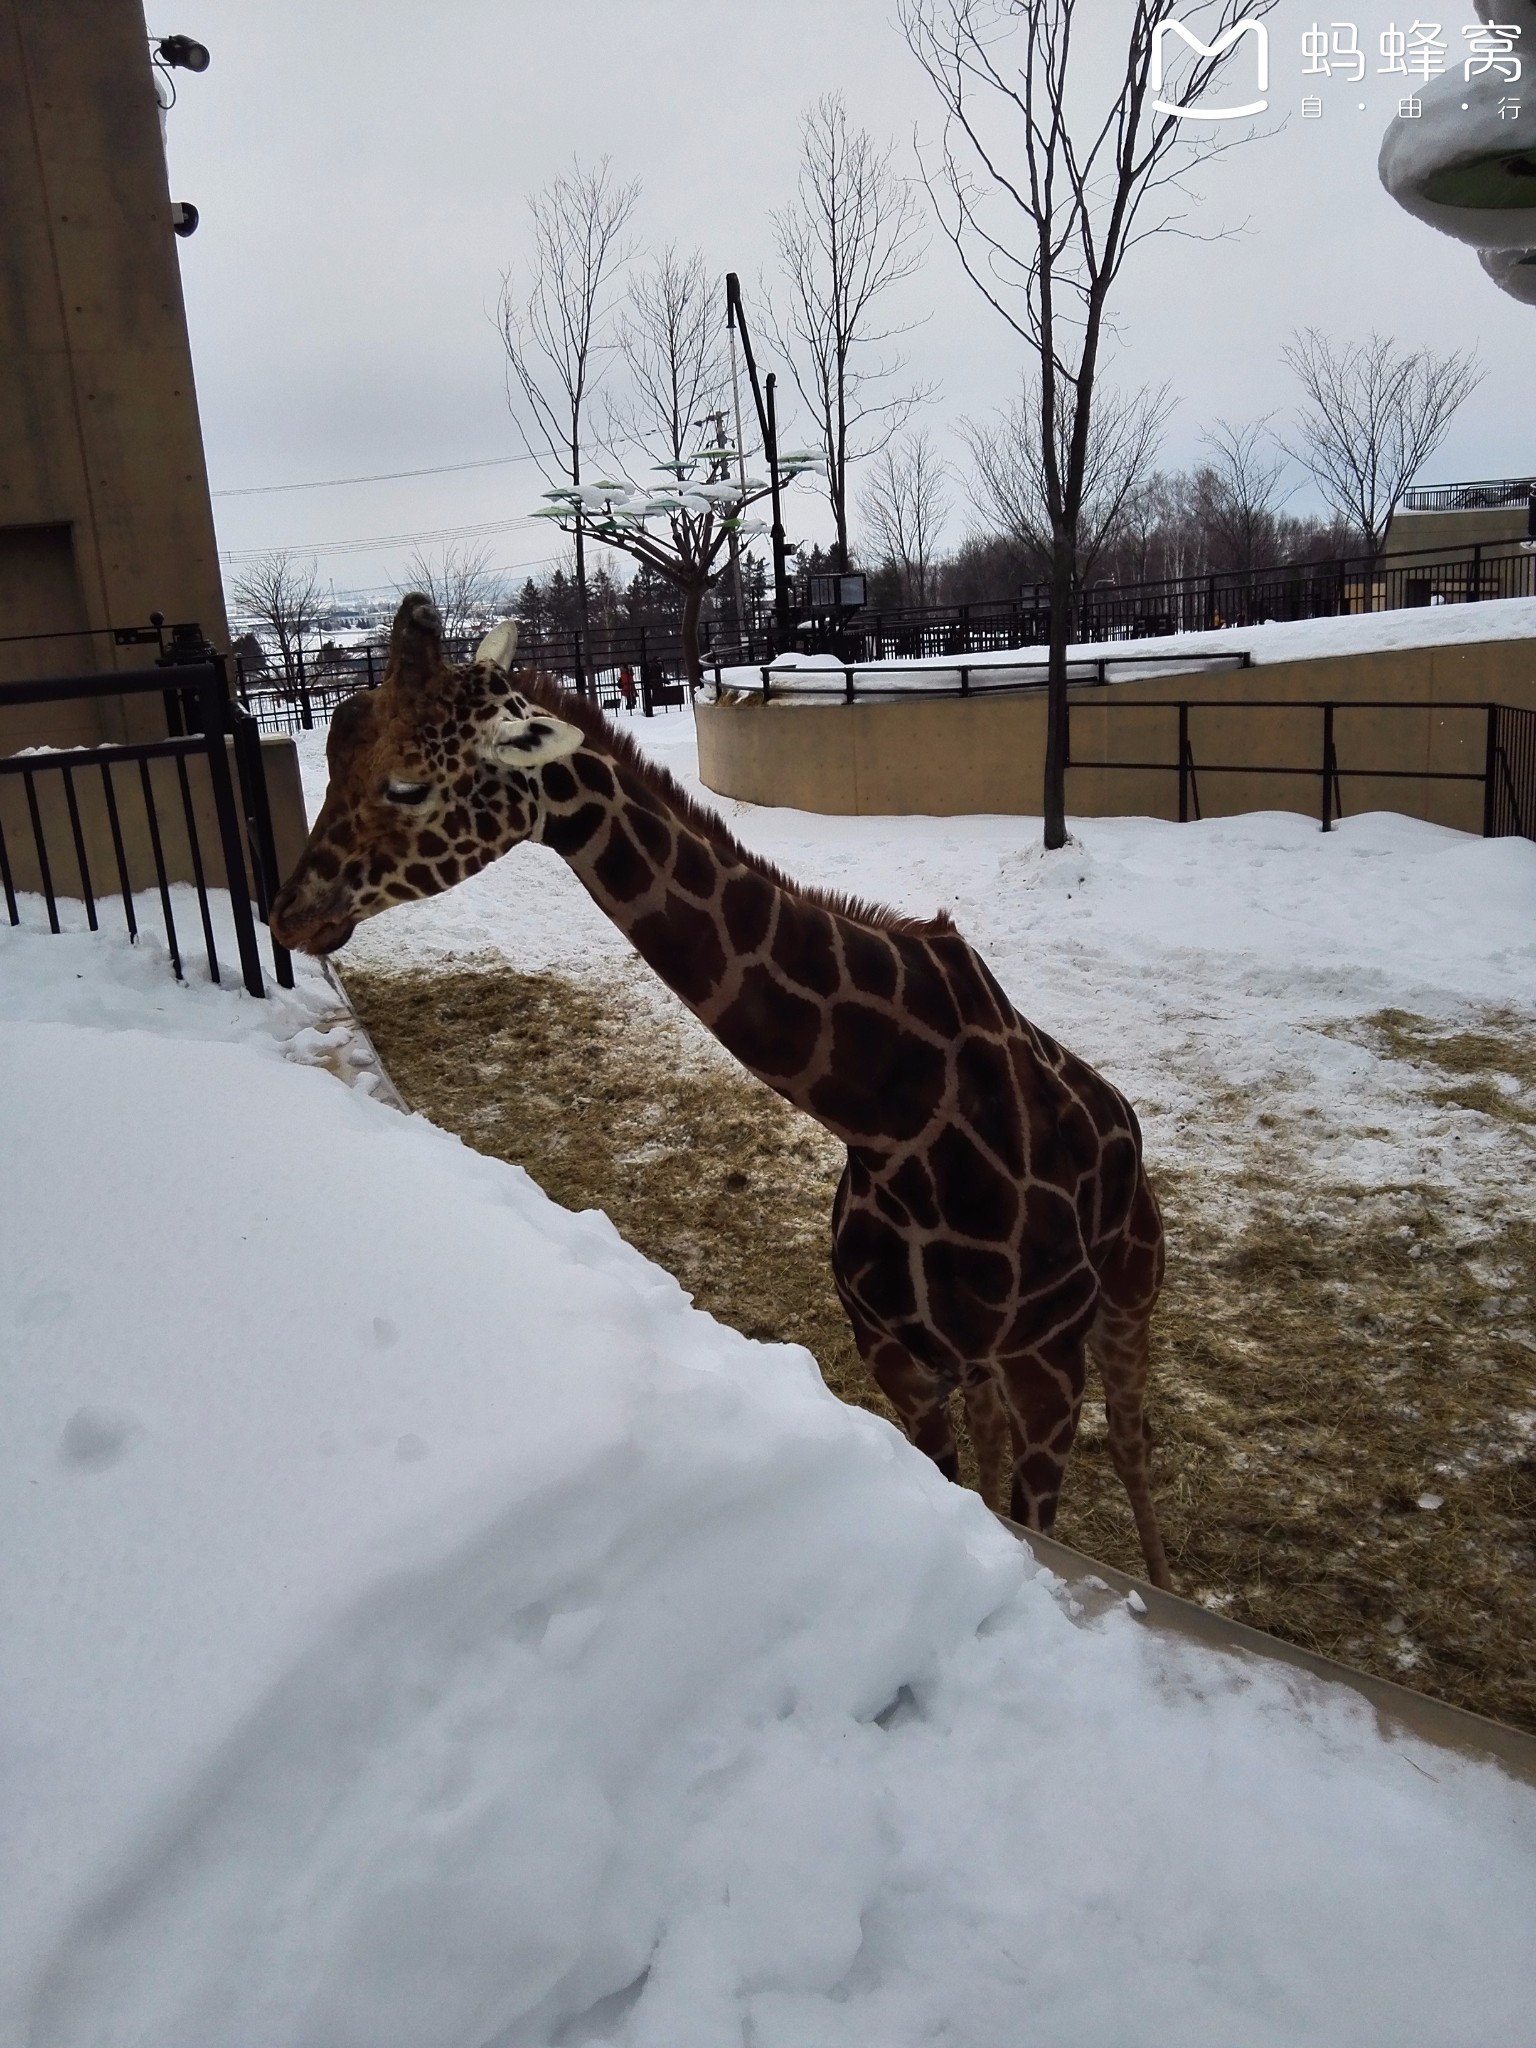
[[204, 725], [593, 665], [1489, 492], [971, 679], [1507, 776], [641, 668]]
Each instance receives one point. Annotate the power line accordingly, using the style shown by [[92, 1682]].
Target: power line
[[383, 476], [381, 540]]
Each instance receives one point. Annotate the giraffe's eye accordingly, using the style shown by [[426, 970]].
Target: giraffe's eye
[[407, 792]]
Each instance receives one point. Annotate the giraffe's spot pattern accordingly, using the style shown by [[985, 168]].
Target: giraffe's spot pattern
[[746, 904], [621, 867]]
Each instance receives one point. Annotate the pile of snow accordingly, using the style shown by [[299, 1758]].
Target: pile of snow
[[1448, 625], [423, 1627]]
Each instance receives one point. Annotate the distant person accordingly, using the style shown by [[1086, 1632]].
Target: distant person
[[627, 686]]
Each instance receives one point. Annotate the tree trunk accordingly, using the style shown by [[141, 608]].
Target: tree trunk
[[1054, 798], [583, 632], [693, 604]]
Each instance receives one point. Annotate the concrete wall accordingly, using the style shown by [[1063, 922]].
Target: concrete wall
[[285, 795], [946, 756], [1454, 534], [104, 508]]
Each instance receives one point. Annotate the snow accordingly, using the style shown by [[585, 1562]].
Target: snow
[[423, 1627], [1441, 625]]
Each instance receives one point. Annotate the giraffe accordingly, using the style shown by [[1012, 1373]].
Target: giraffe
[[994, 1228]]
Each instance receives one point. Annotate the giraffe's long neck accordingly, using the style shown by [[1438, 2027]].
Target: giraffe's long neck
[[800, 994]]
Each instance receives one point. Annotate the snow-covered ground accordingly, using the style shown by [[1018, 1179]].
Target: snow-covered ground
[[1448, 625], [422, 1627]]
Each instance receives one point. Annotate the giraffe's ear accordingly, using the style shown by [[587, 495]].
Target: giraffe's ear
[[532, 741], [499, 645]]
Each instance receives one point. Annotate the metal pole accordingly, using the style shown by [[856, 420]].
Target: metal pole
[[1490, 766], [214, 694], [1183, 764], [780, 573], [741, 484], [769, 429], [1327, 767]]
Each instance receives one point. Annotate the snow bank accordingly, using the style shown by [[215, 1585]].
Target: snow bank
[[1447, 625], [423, 1627]]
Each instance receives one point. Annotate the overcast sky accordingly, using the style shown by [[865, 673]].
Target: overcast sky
[[362, 171]]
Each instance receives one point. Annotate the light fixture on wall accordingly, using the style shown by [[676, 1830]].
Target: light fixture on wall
[[182, 53]]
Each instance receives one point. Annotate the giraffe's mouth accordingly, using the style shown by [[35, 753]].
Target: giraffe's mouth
[[312, 935], [326, 938]]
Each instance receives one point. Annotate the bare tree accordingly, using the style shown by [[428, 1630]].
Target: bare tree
[[671, 336], [1013, 474], [1375, 414], [1044, 193], [280, 595], [904, 505], [557, 335], [850, 235], [1240, 495], [460, 581]]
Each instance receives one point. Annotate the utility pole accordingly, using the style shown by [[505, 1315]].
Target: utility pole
[[736, 320]]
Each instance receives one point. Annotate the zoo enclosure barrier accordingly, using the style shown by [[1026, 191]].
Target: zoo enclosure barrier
[[592, 666], [79, 806], [1507, 775], [1346, 587], [1011, 676]]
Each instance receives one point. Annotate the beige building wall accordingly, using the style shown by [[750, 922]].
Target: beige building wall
[[1454, 534], [104, 507], [948, 756]]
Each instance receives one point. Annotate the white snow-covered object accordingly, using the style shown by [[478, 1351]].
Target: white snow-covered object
[[1513, 271], [1463, 166]]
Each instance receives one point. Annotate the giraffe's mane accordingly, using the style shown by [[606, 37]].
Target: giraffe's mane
[[709, 825]]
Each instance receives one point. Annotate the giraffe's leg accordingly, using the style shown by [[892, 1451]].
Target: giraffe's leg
[[1044, 1389], [1119, 1342], [917, 1393], [986, 1415]]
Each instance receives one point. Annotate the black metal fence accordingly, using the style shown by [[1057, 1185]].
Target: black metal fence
[[622, 669], [60, 788], [973, 679], [644, 667], [1488, 493], [1348, 587], [1507, 774]]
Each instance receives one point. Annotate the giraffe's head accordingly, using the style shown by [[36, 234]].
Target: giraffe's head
[[433, 775]]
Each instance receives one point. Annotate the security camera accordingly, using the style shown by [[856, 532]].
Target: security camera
[[184, 217], [182, 51]]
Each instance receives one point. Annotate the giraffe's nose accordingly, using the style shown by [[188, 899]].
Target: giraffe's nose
[[304, 926]]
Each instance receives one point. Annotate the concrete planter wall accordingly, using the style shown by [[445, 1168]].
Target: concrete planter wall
[[949, 756]]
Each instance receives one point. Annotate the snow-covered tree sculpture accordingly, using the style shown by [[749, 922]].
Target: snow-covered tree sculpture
[[672, 504], [1456, 156]]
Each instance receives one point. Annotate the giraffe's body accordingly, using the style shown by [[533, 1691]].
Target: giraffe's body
[[994, 1224]]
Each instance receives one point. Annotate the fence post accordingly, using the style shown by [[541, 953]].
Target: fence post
[[1474, 595], [1327, 767], [645, 679], [1490, 768], [214, 693], [1183, 764]]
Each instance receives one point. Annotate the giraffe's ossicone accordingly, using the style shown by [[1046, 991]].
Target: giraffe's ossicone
[[994, 1227]]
